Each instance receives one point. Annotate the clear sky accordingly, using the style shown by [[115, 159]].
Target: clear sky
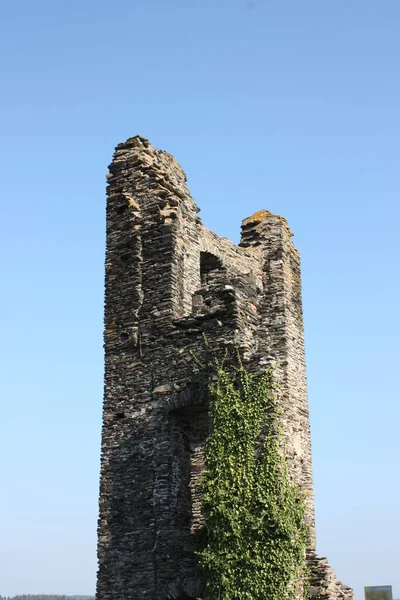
[[287, 105]]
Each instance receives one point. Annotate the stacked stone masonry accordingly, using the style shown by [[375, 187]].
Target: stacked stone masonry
[[169, 281]]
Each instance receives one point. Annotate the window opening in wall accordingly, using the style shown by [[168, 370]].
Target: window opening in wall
[[188, 429], [210, 267]]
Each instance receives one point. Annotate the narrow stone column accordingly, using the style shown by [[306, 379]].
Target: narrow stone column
[[281, 338]]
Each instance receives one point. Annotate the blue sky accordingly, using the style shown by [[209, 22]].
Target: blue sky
[[285, 105]]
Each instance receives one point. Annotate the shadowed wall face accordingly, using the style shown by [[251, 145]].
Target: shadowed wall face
[[188, 432], [169, 281]]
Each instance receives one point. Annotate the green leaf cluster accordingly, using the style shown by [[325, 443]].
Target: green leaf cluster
[[255, 536]]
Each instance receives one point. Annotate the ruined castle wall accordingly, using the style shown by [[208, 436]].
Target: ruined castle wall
[[169, 281]]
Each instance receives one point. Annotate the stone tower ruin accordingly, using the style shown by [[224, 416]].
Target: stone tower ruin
[[169, 280]]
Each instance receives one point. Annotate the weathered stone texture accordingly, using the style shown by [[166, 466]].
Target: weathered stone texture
[[169, 280]]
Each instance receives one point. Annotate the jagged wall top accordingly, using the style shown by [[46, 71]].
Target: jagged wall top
[[168, 174]]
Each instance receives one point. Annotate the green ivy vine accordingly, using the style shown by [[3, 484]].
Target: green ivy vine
[[254, 540]]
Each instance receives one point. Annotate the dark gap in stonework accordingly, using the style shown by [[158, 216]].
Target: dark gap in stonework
[[121, 209], [210, 265], [188, 429]]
